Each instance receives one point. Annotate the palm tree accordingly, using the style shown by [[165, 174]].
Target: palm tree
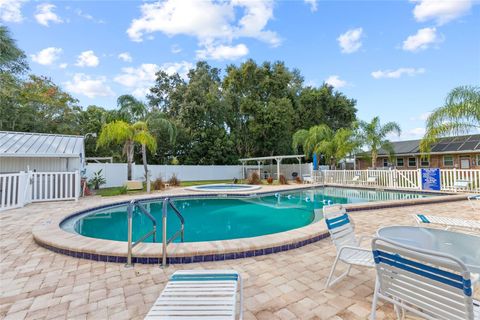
[[460, 114], [334, 145], [374, 136], [127, 134], [132, 110]]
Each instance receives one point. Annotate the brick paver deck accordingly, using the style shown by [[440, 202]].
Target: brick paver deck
[[36, 283]]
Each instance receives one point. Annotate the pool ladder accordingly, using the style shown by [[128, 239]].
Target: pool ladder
[[167, 202]]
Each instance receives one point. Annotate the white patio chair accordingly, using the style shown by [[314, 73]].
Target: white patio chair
[[347, 246], [199, 294], [461, 185], [355, 179], [447, 222], [372, 180], [306, 178], [474, 202], [427, 283]]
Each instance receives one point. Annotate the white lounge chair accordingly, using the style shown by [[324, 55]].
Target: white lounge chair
[[343, 237], [372, 180], [306, 178], [461, 185], [429, 284], [474, 202], [355, 179], [199, 294], [447, 222]]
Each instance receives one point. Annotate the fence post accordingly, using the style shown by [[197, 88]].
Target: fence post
[[78, 185], [22, 188], [455, 179], [419, 179]]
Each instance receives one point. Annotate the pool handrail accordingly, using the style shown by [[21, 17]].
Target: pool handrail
[[131, 206], [168, 202]]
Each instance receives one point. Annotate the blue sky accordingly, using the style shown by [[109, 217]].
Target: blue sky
[[398, 59]]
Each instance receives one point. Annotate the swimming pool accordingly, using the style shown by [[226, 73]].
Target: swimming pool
[[225, 187], [213, 218]]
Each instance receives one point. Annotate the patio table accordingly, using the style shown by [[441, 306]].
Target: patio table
[[462, 246]]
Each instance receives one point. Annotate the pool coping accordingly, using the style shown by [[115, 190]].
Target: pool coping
[[51, 236]]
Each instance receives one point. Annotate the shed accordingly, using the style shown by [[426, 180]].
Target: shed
[[41, 152]]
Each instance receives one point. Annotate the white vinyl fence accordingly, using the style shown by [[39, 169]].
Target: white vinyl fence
[[19, 189], [115, 174], [402, 179]]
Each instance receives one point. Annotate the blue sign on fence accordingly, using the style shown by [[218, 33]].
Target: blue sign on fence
[[430, 179]]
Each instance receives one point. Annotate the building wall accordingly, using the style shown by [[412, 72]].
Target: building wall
[[12, 164], [436, 161]]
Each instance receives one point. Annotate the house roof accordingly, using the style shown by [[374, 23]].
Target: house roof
[[27, 144], [458, 144]]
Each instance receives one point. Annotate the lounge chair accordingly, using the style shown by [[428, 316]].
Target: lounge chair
[[355, 179], [306, 178], [447, 222], [427, 283], [372, 180], [461, 185], [199, 294], [343, 237], [474, 202]]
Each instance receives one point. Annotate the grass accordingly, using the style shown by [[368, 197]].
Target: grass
[[110, 192], [197, 183]]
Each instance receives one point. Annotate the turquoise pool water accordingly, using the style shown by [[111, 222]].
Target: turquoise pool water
[[208, 219]]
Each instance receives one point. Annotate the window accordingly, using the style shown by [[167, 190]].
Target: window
[[385, 162], [412, 162], [424, 162], [400, 162], [448, 161]]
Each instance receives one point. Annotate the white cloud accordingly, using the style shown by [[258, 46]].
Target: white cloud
[[414, 133], [421, 40], [442, 11], [45, 14], [47, 56], [89, 86], [394, 74], [63, 65], [223, 52], [125, 56], [213, 23], [10, 10], [335, 81], [87, 59], [87, 16], [139, 80], [313, 4], [350, 41], [176, 49]]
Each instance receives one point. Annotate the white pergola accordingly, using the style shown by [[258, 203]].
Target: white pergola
[[278, 159]]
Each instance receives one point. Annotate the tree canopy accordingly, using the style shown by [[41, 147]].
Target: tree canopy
[[209, 116]]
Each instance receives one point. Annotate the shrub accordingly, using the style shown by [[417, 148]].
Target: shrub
[[269, 180], [97, 180], [174, 181], [298, 179], [282, 179], [254, 178], [158, 184]]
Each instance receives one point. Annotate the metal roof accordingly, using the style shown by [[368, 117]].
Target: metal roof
[[27, 144], [458, 144], [297, 156]]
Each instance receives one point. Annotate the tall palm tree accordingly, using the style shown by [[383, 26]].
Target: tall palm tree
[[460, 114], [127, 134], [334, 145], [374, 135], [132, 109]]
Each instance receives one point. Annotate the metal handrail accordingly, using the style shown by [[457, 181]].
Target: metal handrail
[[131, 244], [168, 202]]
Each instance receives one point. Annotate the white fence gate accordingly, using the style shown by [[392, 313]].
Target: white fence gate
[[403, 179], [19, 189]]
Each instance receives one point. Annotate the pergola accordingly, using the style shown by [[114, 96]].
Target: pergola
[[278, 159]]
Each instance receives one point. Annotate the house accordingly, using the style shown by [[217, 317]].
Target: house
[[40, 152], [461, 152]]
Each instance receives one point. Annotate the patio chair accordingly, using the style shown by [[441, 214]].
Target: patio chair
[[474, 202], [447, 222], [199, 294], [461, 185], [347, 246], [306, 178], [355, 179], [372, 180], [427, 283]]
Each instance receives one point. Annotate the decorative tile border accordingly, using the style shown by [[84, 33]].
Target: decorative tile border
[[52, 237]]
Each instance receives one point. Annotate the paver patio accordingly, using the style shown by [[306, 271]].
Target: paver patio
[[36, 283]]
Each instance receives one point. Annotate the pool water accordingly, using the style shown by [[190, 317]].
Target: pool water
[[213, 218]]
